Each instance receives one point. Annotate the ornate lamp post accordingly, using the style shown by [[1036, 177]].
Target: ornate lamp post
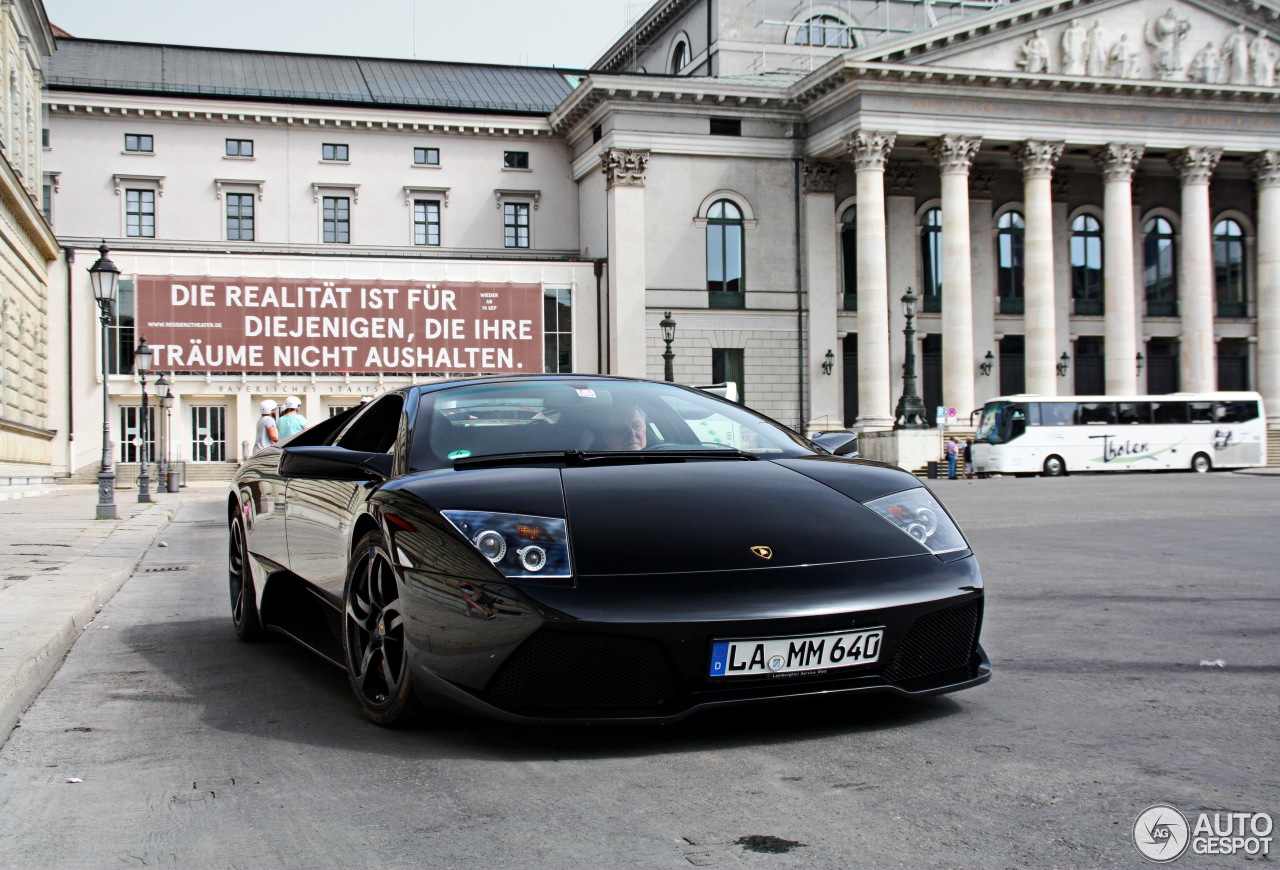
[[668, 335], [142, 363], [162, 393], [167, 401], [105, 278], [1064, 363], [910, 410]]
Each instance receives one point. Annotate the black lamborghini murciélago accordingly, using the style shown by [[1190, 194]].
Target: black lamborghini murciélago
[[562, 548]]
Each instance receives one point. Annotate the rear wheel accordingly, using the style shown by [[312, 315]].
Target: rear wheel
[[1200, 463], [244, 599], [1054, 466], [373, 637]]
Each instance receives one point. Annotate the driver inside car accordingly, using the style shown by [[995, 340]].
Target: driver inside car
[[623, 427]]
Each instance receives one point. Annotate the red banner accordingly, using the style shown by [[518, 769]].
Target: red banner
[[266, 325]]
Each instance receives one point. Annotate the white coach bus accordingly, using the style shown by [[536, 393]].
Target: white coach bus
[[1028, 434]]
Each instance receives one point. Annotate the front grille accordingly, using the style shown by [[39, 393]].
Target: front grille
[[938, 642], [583, 670]]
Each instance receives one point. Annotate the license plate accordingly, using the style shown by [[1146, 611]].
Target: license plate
[[788, 655]]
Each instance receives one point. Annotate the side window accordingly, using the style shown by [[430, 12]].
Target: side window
[[1057, 413], [1201, 412], [374, 431], [1096, 412], [1169, 412], [1236, 412], [1133, 412]]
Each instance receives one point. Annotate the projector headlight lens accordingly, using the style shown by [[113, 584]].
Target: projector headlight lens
[[508, 541]]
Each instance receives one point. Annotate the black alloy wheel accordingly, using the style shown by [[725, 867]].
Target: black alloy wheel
[[1054, 466], [1200, 463], [244, 602], [373, 637]]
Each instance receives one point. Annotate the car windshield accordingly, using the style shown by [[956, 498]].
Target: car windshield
[[555, 416]]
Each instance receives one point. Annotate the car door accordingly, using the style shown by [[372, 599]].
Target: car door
[[321, 512]]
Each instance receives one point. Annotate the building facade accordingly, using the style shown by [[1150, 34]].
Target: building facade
[[29, 386], [1083, 196]]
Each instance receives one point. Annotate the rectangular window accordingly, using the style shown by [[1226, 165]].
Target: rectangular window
[[558, 329], [335, 410], [139, 142], [516, 224], [131, 434], [426, 156], [726, 127], [46, 201], [140, 213], [727, 367], [120, 343], [208, 433], [426, 222], [240, 217], [44, 138], [330, 151], [337, 219], [515, 159], [239, 147]]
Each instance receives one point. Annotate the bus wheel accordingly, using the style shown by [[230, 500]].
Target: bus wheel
[[1054, 467], [1200, 463]]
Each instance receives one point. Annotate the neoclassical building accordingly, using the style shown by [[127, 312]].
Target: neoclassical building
[[30, 404], [1082, 194]]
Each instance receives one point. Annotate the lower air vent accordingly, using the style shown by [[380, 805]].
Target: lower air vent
[[936, 643], [583, 670]]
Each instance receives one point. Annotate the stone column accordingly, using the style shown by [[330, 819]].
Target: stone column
[[624, 171], [954, 155], [870, 150], [1195, 270], [1037, 160], [1120, 326], [822, 279], [1266, 174]]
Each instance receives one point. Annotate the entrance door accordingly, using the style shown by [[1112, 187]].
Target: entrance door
[[931, 376], [1162, 366], [1233, 364], [1013, 365], [1090, 366], [850, 379], [131, 433], [208, 433]]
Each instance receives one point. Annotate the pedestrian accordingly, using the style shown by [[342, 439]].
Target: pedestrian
[[291, 420], [968, 458], [268, 434], [952, 450]]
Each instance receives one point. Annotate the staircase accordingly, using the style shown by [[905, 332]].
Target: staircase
[[1273, 448], [127, 473]]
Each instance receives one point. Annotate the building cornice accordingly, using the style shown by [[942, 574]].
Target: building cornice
[[170, 108], [29, 218]]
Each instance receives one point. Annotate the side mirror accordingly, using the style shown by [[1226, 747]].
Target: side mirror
[[838, 443], [334, 463]]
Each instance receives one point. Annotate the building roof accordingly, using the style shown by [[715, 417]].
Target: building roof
[[124, 67]]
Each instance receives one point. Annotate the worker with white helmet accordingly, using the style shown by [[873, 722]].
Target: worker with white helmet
[[267, 432], [291, 420]]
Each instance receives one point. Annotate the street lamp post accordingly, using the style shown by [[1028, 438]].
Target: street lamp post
[[142, 363], [162, 393], [167, 401], [668, 335], [105, 278], [910, 410]]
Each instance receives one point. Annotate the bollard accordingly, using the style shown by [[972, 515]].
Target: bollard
[[933, 470]]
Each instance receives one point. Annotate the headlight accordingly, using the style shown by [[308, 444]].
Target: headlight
[[917, 513], [518, 545]]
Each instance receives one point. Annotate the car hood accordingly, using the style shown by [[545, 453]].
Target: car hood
[[690, 516], [716, 516]]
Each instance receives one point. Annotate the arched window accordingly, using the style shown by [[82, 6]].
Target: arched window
[[1159, 278], [825, 31], [1228, 269], [1010, 240], [849, 258], [680, 57], [724, 255], [931, 260], [1086, 264]]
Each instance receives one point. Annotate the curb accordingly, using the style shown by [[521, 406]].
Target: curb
[[43, 622]]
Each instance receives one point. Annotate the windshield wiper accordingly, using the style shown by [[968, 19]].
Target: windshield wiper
[[598, 457]]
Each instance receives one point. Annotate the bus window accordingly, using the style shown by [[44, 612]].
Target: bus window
[[1057, 413], [1235, 412], [1133, 412], [1201, 412], [1017, 421], [1096, 413], [1168, 412]]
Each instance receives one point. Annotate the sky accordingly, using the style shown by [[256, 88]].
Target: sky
[[565, 33]]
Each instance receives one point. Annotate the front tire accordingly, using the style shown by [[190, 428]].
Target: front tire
[[373, 636], [244, 599], [1054, 466], [1200, 463]]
